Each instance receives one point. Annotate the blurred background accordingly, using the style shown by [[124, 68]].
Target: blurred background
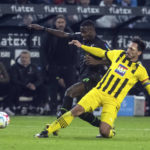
[[116, 22]]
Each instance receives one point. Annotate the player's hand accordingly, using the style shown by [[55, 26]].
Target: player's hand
[[31, 86], [89, 60], [35, 26], [76, 42]]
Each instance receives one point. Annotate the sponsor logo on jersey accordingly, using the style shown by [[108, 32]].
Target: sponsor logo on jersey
[[121, 70]]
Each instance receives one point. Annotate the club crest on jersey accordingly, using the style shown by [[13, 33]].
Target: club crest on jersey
[[121, 70]]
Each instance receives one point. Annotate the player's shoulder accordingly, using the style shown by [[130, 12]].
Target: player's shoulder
[[98, 42], [140, 65], [117, 51]]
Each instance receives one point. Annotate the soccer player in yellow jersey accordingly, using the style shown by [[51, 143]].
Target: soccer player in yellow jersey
[[124, 72]]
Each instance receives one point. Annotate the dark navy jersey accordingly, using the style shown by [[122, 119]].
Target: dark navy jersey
[[90, 71]]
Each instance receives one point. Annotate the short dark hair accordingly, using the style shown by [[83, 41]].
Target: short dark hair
[[88, 23], [140, 43], [60, 16]]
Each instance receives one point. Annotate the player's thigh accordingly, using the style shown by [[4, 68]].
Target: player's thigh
[[90, 101], [89, 84], [109, 114], [75, 90]]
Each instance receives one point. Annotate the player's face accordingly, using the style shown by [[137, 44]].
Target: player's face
[[25, 59], [132, 52], [87, 33], [60, 24]]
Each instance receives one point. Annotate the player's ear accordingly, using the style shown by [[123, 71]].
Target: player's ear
[[139, 53]]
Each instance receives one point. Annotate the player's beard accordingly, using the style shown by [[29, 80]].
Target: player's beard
[[128, 56]]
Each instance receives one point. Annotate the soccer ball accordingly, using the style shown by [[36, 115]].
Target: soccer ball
[[4, 120]]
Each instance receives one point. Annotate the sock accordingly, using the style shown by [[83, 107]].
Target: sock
[[61, 122], [67, 104], [90, 118], [112, 133]]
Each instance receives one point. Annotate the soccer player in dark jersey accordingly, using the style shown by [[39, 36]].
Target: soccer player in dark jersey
[[124, 72], [91, 67]]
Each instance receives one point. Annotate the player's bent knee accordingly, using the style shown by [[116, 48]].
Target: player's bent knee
[[69, 92], [77, 110], [105, 129]]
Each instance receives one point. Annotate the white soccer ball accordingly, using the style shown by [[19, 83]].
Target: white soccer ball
[[4, 120]]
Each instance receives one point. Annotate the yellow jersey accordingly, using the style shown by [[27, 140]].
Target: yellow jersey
[[122, 74]]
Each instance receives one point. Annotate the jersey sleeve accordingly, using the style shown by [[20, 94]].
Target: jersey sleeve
[[94, 51], [144, 79], [143, 75], [113, 54]]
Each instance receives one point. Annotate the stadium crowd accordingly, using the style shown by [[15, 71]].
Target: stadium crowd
[[59, 68], [133, 3]]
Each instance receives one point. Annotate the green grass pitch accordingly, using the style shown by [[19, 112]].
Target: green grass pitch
[[133, 133]]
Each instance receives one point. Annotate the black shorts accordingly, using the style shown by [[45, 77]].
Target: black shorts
[[89, 83]]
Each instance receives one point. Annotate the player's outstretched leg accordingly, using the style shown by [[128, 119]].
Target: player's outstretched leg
[[61, 122], [90, 118]]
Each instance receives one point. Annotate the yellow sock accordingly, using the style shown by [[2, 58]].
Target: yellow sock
[[61, 122], [112, 133]]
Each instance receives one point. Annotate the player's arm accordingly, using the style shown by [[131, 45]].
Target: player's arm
[[93, 61], [143, 77], [92, 50], [146, 85], [55, 32]]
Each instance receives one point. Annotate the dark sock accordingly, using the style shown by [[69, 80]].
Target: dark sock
[[90, 118], [66, 106]]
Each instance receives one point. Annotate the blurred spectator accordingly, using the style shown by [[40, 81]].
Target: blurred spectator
[[58, 1], [71, 18], [4, 77], [41, 1], [60, 61], [107, 21], [28, 19], [4, 81], [147, 2], [70, 2], [108, 3], [7, 1], [142, 2], [26, 80], [23, 1], [132, 3], [84, 3], [95, 2]]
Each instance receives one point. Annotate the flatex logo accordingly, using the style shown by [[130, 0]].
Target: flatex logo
[[55, 9], [36, 41], [13, 40], [89, 10], [145, 11], [22, 9], [120, 10]]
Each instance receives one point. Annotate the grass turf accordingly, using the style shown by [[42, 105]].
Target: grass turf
[[133, 133]]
